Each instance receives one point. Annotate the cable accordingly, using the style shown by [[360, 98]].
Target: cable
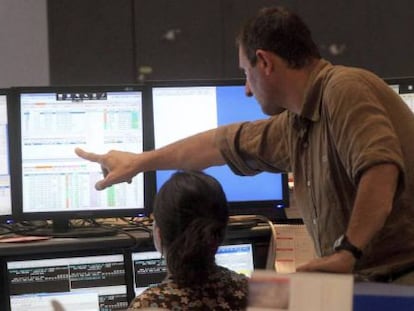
[[271, 253], [121, 230]]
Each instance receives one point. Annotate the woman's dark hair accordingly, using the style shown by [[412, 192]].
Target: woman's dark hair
[[281, 32], [191, 212]]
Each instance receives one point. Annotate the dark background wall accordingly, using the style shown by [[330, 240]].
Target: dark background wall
[[24, 55], [126, 41]]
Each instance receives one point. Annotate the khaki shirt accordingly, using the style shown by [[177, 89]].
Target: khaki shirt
[[350, 121]]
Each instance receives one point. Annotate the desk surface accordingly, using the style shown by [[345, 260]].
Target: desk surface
[[132, 238]]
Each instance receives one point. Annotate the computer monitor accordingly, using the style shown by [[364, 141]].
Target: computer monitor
[[236, 257], [149, 267], [53, 182], [84, 282], [5, 191], [404, 86], [184, 108]]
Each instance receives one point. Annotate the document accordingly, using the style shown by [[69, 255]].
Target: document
[[293, 247], [270, 290]]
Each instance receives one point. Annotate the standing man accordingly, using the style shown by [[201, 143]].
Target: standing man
[[343, 132]]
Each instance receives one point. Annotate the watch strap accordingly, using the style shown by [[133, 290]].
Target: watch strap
[[343, 243]]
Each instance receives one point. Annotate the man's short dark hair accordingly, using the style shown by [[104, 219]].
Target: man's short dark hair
[[281, 32]]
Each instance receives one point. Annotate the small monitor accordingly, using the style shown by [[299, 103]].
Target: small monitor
[[5, 191], [149, 268], [184, 108], [82, 283], [54, 183], [236, 257], [404, 86]]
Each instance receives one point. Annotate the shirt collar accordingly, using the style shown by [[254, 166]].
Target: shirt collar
[[314, 90]]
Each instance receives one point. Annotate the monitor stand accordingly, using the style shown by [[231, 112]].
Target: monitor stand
[[61, 229]]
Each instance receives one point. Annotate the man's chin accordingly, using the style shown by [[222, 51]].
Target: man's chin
[[274, 111]]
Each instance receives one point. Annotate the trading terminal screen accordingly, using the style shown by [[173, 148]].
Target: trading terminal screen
[[149, 268], [53, 124], [76, 283], [5, 194]]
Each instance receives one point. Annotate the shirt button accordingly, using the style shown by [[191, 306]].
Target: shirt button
[[308, 183]]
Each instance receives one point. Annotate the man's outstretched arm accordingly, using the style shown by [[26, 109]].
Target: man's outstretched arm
[[195, 152]]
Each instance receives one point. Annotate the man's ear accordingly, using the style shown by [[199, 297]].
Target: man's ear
[[265, 61]]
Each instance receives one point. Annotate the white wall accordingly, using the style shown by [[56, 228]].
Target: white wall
[[24, 57]]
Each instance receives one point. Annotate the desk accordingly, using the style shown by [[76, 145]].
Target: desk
[[58, 245], [260, 233]]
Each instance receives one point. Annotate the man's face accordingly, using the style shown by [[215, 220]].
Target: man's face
[[259, 85]]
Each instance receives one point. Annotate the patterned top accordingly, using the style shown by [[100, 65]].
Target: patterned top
[[224, 290]]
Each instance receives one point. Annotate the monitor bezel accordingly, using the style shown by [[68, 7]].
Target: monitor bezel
[[8, 218], [272, 209], [16, 176], [405, 86], [405, 81]]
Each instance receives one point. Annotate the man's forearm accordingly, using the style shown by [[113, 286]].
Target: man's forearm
[[373, 203], [372, 206]]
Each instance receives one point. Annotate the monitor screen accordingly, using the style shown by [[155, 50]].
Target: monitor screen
[[149, 267], [95, 282], [236, 257], [5, 192], [51, 122], [405, 88], [181, 109]]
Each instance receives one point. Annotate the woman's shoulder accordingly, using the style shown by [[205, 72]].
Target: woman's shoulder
[[223, 285], [229, 274], [229, 279]]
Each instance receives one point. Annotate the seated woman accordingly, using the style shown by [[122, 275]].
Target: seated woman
[[190, 219]]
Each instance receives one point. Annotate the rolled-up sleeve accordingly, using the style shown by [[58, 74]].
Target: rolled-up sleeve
[[362, 129], [253, 147]]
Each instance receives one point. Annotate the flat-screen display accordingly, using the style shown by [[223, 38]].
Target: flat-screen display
[[5, 191], [82, 283], [236, 257], [184, 108], [149, 268], [404, 86], [50, 123]]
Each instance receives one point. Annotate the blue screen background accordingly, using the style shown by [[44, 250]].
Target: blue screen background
[[234, 106]]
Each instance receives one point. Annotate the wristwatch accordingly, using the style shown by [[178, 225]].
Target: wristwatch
[[343, 243]]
